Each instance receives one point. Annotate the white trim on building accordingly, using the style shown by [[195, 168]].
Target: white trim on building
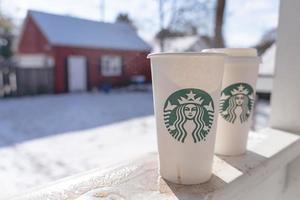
[[34, 61]]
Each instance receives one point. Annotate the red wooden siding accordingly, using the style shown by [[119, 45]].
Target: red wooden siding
[[134, 63], [32, 40]]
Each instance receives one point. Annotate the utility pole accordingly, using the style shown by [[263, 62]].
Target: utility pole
[[102, 10]]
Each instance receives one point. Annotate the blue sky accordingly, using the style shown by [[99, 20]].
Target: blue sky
[[246, 20]]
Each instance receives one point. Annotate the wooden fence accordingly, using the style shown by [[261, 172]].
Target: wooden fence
[[8, 80], [31, 81]]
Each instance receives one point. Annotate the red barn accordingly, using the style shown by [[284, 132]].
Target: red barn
[[84, 53]]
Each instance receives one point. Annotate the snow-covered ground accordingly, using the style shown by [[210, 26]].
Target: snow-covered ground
[[49, 137]]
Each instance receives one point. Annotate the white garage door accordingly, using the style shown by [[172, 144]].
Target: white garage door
[[77, 73]]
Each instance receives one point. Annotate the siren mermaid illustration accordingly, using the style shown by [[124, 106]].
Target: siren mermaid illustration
[[238, 98], [189, 108]]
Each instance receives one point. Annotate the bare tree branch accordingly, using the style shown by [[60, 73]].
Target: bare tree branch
[[219, 21]]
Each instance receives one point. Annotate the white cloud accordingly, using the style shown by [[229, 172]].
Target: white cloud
[[248, 20]]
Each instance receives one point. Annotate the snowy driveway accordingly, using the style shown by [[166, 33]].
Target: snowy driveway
[[35, 117], [49, 137]]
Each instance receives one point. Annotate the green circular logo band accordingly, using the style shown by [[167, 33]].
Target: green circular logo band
[[237, 102], [193, 105]]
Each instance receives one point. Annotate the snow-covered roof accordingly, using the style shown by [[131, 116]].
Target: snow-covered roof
[[268, 61], [182, 44], [71, 31], [270, 35]]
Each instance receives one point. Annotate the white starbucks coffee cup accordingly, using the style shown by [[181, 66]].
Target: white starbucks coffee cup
[[237, 99], [186, 97]]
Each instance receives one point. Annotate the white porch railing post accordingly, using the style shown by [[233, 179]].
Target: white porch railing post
[[286, 93]]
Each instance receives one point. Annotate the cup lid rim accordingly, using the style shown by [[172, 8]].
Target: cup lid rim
[[234, 52], [243, 58], [186, 54]]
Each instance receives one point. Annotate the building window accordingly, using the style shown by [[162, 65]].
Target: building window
[[111, 66]]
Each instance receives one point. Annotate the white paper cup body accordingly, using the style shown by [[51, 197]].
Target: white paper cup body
[[188, 161], [240, 73]]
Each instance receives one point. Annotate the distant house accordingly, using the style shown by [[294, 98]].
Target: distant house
[[266, 71], [191, 43], [266, 49], [83, 54]]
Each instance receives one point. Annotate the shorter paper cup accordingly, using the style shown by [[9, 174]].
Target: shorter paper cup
[[186, 97], [237, 99]]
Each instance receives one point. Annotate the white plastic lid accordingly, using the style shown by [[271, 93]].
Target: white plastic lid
[[186, 54], [236, 52]]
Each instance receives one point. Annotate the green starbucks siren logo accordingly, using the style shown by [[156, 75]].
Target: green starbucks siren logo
[[189, 113], [237, 102]]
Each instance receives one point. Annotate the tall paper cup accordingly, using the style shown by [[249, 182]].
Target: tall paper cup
[[237, 99], [186, 97]]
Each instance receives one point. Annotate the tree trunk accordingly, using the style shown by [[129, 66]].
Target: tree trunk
[[219, 21], [161, 21]]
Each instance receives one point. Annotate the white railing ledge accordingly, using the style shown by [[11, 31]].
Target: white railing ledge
[[259, 173]]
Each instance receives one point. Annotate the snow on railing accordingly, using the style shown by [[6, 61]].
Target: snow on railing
[[256, 173]]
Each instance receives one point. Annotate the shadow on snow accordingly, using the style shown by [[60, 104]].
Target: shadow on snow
[[29, 118]]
